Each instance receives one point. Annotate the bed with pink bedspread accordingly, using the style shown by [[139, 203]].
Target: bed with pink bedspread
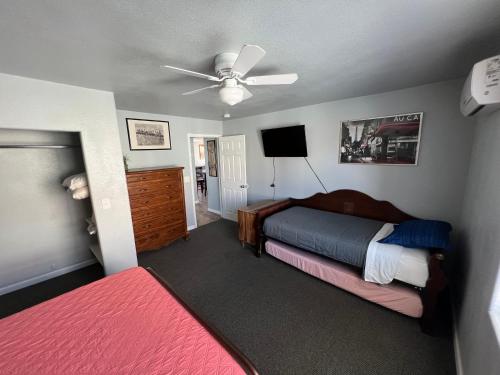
[[130, 322]]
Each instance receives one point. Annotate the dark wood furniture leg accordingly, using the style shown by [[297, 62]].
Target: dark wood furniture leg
[[262, 242], [430, 295]]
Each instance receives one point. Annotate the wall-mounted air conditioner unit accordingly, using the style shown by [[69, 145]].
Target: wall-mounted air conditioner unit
[[481, 92]]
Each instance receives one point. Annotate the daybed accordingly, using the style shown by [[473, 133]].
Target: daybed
[[335, 237]]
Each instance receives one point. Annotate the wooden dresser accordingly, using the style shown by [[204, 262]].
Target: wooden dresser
[[158, 207]]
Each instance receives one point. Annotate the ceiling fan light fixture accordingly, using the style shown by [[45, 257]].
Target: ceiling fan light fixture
[[231, 69], [231, 95]]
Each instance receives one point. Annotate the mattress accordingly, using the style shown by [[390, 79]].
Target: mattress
[[395, 297], [344, 238], [125, 323]]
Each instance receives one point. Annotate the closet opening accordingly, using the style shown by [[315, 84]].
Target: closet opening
[[44, 229]]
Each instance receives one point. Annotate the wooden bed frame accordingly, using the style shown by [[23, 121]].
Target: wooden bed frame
[[352, 202], [238, 356]]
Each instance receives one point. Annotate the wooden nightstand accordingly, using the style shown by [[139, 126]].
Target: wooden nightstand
[[248, 220]]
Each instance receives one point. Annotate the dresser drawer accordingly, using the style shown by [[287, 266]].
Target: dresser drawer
[[156, 186], [148, 200], [160, 237], [156, 222], [171, 208], [154, 175]]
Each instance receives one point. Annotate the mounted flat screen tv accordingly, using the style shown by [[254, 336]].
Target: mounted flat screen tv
[[289, 141]]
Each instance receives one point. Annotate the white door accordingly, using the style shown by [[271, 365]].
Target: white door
[[233, 175]]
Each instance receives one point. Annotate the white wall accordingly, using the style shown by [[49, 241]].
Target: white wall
[[180, 127], [480, 252], [433, 189], [40, 105]]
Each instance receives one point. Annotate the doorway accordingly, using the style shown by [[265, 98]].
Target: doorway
[[205, 182]]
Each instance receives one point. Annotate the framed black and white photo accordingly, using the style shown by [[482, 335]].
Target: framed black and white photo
[[148, 134], [391, 140], [212, 158]]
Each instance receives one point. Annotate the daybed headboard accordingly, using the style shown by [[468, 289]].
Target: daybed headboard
[[352, 202]]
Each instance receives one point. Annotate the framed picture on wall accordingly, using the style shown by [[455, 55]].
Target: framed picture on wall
[[148, 134], [212, 158], [389, 140]]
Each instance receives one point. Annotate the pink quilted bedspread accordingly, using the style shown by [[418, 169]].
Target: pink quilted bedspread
[[123, 324]]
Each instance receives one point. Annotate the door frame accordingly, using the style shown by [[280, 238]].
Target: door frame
[[198, 135]]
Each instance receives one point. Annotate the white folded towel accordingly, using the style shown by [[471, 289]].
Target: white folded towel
[[81, 193], [75, 181]]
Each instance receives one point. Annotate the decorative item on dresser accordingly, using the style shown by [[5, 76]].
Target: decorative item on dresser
[[157, 205]]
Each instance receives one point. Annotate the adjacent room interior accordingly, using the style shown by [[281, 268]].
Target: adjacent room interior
[[206, 189], [266, 187]]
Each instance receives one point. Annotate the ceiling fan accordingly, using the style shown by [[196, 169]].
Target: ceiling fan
[[231, 68]]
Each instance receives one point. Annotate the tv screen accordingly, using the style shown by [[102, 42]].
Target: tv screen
[[289, 141]]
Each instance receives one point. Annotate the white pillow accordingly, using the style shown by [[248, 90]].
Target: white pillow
[[81, 193], [76, 181]]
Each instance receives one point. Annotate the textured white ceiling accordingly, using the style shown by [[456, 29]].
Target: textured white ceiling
[[339, 48]]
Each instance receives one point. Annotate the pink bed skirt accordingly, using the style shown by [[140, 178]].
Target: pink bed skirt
[[126, 323], [395, 297]]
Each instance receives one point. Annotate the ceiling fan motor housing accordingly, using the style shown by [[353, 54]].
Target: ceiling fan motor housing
[[224, 62]]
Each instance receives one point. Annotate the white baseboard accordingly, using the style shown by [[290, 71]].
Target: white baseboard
[[214, 211], [46, 276], [191, 227], [456, 344]]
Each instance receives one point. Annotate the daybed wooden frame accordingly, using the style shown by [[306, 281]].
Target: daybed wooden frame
[[352, 202]]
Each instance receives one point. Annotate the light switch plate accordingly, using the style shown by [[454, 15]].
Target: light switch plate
[[106, 203]]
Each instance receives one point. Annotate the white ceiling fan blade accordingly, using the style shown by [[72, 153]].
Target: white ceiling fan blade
[[246, 94], [277, 79], [246, 60], [193, 74], [199, 90]]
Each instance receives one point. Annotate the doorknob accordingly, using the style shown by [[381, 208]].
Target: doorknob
[[243, 186]]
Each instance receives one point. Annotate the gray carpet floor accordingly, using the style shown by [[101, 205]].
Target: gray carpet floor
[[285, 321]]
